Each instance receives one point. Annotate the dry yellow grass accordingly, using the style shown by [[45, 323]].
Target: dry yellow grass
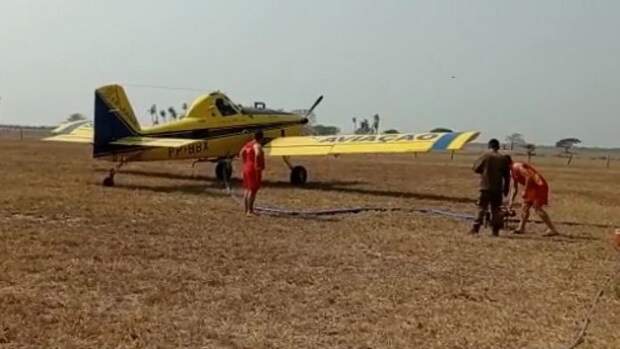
[[166, 259]]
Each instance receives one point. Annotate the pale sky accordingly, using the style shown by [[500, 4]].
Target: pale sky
[[547, 69]]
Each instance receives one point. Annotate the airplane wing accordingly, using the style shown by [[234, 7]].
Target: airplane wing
[[84, 134], [369, 144]]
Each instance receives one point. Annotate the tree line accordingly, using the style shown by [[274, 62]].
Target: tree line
[[517, 140]]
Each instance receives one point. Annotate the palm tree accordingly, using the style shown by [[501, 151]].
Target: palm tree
[[162, 113], [173, 113], [153, 112], [354, 124], [364, 128], [375, 123]]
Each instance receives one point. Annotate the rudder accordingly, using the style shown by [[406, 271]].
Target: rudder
[[114, 119]]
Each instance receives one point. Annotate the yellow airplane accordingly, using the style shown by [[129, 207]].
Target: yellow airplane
[[215, 129]]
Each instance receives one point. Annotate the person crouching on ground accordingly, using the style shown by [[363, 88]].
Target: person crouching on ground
[[253, 165], [494, 170], [535, 194]]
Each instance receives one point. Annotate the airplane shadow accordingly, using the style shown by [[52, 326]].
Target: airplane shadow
[[235, 181], [331, 186], [155, 174], [193, 189]]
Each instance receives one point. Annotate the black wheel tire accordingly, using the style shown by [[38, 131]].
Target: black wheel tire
[[299, 175], [223, 171], [108, 182]]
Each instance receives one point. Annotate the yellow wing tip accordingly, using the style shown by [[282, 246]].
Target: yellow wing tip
[[463, 139]]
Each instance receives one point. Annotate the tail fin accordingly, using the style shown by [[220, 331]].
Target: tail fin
[[114, 119]]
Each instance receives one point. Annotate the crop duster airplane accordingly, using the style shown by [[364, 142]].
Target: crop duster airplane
[[215, 129]]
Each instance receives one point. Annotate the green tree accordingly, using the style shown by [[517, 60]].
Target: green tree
[[76, 117], [441, 130], [364, 128], [375, 123], [173, 113], [324, 130], [515, 139], [531, 151], [184, 108], [153, 112], [567, 144]]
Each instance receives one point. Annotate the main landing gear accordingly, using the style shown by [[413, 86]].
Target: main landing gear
[[223, 171], [299, 174]]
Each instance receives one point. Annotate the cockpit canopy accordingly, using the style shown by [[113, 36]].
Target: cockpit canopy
[[225, 107]]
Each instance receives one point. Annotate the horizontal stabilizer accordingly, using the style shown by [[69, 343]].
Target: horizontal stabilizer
[[155, 142], [70, 126], [84, 134], [369, 144], [81, 134]]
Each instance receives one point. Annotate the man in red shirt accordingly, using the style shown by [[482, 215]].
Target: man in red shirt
[[253, 165], [535, 194]]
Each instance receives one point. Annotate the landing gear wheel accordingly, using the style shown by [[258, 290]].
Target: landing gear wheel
[[108, 181], [223, 171], [299, 175]]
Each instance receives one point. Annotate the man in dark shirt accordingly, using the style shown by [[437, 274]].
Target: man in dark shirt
[[494, 170]]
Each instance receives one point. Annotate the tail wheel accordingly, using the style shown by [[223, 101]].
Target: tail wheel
[[223, 171], [108, 181], [299, 175]]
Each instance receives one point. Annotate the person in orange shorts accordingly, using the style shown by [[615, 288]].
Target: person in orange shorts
[[535, 194], [253, 165]]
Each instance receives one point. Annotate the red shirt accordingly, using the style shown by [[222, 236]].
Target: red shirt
[[536, 191], [250, 161], [522, 171]]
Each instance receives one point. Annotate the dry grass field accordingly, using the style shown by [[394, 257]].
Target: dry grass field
[[166, 258]]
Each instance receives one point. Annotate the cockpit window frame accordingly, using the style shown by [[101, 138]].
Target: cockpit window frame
[[232, 108]]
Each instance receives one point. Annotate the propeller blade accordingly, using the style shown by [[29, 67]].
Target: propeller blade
[[314, 106]]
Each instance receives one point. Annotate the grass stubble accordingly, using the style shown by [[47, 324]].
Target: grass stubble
[[166, 259]]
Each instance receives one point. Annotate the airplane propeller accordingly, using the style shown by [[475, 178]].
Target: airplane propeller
[[313, 106]]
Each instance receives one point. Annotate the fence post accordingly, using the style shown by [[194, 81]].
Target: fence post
[[608, 160], [21, 134]]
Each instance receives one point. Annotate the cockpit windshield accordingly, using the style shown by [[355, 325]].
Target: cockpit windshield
[[225, 107]]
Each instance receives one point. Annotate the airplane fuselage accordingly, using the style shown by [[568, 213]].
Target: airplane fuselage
[[223, 126]]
